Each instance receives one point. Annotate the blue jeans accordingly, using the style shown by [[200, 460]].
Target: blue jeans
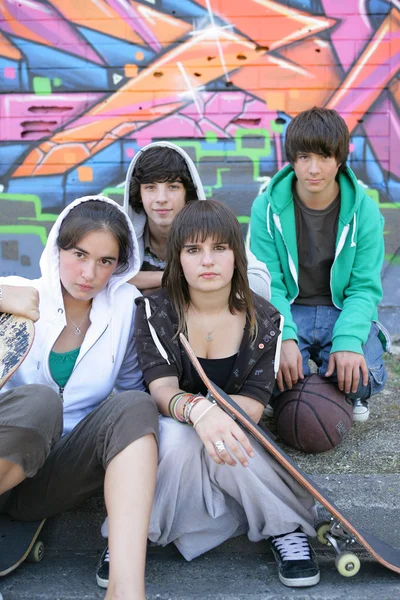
[[314, 330]]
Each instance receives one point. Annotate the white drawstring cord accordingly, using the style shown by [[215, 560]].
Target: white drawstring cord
[[154, 335]]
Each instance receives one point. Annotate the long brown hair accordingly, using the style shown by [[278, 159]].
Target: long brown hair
[[196, 222]]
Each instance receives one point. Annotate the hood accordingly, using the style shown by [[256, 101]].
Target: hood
[[140, 223], [49, 261], [279, 192]]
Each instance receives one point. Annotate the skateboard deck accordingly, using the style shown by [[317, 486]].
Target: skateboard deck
[[16, 338], [339, 532], [19, 542]]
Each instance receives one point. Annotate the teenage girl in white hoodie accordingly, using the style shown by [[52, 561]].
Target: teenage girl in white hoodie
[[61, 436]]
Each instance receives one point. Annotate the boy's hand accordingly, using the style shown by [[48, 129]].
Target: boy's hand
[[348, 365], [290, 365], [22, 301]]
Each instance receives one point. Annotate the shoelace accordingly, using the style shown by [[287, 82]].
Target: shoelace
[[293, 546], [107, 556]]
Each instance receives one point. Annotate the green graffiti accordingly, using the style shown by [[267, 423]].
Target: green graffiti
[[374, 194], [38, 220], [253, 154], [42, 86]]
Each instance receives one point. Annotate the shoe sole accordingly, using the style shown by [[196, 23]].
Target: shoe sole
[[103, 583], [300, 581], [360, 418]]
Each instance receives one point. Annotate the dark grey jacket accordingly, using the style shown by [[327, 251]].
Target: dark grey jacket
[[253, 372]]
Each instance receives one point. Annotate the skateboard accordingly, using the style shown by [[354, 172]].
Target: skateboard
[[19, 542], [338, 532], [16, 338]]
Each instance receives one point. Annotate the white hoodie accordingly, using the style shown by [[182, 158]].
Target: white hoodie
[[107, 359], [258, 274]]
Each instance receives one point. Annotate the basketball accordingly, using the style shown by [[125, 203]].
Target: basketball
[[314, 416]]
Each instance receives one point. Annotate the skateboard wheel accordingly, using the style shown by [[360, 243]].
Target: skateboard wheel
[[322, 530], [348, 564], [36, 554]]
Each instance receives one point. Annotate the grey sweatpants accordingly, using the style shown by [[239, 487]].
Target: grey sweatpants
[[63, 472]]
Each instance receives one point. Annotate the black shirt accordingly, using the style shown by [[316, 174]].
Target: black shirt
[[217, 369], [316, 232]]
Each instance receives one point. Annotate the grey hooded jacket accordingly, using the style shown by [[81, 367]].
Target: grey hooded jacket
[[259, 277]]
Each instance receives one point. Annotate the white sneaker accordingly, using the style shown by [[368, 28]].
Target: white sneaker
[[269, 411], [360, 411]]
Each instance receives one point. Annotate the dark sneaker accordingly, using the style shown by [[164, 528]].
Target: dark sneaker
[[360, 411], [103, 569], [297, 563]]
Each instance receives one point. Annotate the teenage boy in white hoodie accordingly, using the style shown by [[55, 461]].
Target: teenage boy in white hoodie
[[160, 180]]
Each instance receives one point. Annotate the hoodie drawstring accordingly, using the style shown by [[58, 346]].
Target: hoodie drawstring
[[278, 347], [353, 244], [268, 220], [154, 335]]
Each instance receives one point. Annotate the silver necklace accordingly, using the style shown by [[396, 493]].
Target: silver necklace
[[209, 334], [77, 330]]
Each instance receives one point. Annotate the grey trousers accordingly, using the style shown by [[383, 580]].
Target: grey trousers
[[62, 472], [199, 504]]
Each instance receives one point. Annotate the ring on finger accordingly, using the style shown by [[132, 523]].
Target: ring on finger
[[219, 446]]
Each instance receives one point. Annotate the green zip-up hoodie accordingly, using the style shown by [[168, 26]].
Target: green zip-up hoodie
[[355, 274]]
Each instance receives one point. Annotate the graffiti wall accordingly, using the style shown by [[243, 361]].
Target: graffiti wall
[[85, 83]]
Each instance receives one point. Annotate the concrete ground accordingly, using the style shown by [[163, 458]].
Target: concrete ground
[[362, 476]]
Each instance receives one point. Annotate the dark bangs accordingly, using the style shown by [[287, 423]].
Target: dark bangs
[[205, 222], [318, 131], [160, 164]]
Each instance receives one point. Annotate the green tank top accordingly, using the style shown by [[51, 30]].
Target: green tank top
[[61, 365]]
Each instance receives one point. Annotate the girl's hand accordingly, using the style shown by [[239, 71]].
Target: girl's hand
[[218, 426], [20, 300]]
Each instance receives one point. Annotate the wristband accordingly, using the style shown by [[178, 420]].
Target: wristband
[[203, 413]]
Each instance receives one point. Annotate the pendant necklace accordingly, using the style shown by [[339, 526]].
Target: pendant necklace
[[209, 334], [77, 330]]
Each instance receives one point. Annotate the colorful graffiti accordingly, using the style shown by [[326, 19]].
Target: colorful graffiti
[[84, 85]]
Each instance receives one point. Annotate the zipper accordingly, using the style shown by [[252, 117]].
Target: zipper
[[94, 343], [267, 346], [292, 268], [61, 389], [339, 248], [46, 366]]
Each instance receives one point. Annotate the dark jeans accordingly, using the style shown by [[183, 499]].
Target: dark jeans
[[63, 472]]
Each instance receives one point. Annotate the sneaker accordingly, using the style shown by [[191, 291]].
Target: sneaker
[[360, 411], [103, 569], [297, 563], [269, 411]]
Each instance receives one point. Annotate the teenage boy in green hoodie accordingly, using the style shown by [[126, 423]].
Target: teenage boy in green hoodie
[[321, 238]]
